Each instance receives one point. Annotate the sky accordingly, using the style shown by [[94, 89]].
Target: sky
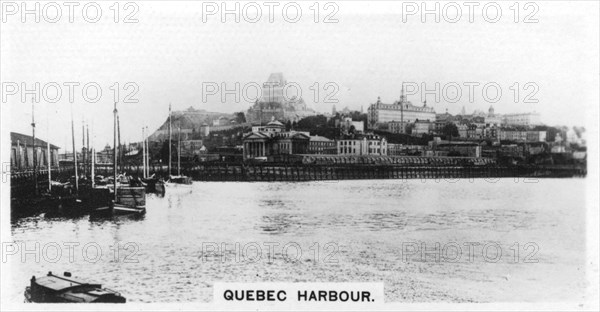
[[172, 51]]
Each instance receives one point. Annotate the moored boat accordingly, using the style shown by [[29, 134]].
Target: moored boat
[[154, 185], [128, 194], [65, 289], [128, 200], [180, 179]]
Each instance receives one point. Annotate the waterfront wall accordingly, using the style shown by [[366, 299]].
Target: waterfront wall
[[22, 183]]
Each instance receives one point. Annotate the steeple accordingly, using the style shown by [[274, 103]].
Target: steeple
[[402, 97]]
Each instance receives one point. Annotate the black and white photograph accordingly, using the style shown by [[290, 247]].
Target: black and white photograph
[[299, 155]]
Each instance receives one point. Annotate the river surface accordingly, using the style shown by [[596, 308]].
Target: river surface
[[506, 241]]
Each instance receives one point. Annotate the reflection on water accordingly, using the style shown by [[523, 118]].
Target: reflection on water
[[346, 231]]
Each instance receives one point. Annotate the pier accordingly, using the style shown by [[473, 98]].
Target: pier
[[23, 183]]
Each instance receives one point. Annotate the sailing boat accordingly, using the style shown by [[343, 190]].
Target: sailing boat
[[70, 198], [179, 178], [127, 199], [45, 199], [152, 183]]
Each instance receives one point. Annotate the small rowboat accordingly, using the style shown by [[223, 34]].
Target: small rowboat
[[65, 289]]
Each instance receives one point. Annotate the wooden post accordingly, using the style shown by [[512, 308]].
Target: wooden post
[[143, 154], [179, 150], [49, 156], [169, 167], [93, 169], [74, 150], [87, 150], [33, 149], [147, 146], [18, 162], [120, 150], [115, 116]]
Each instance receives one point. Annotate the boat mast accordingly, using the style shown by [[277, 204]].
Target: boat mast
[[169, 139], [83, 151], [179, 150], [74, 151], [115, 150], [19, 154], [33, 148], [87, 150], [143, 153], [147, 153], [120, 157], [93, 158], [48, 155], [402, 129]]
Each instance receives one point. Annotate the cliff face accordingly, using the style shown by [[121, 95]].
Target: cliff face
[[190, 121]]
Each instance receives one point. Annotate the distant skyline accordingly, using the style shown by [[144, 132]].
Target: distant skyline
[[170, 53]]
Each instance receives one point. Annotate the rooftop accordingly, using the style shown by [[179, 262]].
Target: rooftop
[[275, 123], [319, 138], [26, 139]]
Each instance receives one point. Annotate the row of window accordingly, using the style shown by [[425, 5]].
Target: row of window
[[347, 150], [372, 151], [323, 143]]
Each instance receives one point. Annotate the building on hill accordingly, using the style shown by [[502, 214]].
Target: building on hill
[[221, 121], [522, 119], [402, 111], [522, 136], [396, 127], [421, 127], [445, 117], [274, 104], [347, 124], [492, 119]]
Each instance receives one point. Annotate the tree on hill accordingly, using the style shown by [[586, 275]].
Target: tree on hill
[[312, 122], [450, 130], [240, 117]]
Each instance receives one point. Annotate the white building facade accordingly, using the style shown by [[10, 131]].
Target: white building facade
[[402, 111]]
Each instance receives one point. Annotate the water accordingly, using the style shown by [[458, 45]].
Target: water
[[345, 231]]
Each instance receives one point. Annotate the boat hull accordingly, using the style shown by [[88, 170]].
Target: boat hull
[[181, 180], [64, 289], [132, 196], [154, 185], [130, 200]]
